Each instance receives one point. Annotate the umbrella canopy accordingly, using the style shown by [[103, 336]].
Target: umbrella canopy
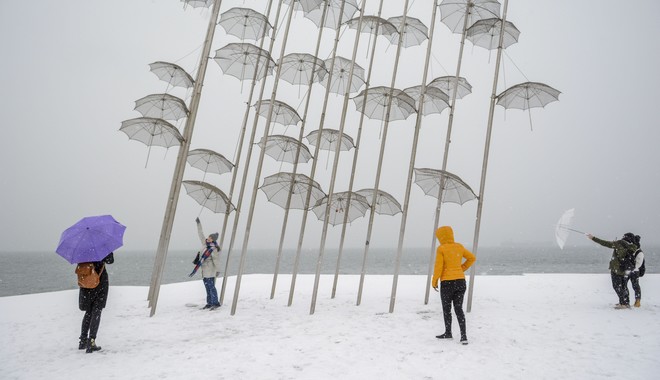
[[562, 229], [245, 23], [305, 5], [414, 31], [374, 104], [369, 24], [435, 101], [486, 33], [172, 74], [453, 12], [340, 76], [339, 206], [91, 239], [152, 132], [208, 196], [282, 113], [277, 188], [240, 60], [446, 85], [209, 161], [162, 106], [333, 13], [283, 148], [454, 189], [199, 3], [528, 95], [386, 204], [297, 68], [329, 140]]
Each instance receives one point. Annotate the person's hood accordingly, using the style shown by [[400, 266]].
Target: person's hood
[[445, 235]]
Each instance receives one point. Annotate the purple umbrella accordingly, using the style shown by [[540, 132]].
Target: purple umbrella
[[91, 239]]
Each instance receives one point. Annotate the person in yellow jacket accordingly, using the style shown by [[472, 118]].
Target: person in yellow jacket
[[449, 268]]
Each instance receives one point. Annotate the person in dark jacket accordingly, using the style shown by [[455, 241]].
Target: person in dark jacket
[[634, 275], [92, 301], [620, 274]]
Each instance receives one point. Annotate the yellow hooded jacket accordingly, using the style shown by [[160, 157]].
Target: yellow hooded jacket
[[449, 263]]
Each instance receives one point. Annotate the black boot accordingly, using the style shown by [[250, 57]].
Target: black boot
[[444, 336], [82, 344], [91, 346]]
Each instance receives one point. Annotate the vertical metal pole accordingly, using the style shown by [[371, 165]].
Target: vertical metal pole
[[382, 152], [255, 189], [180, 167], [356, 152], [331, 189], [238, 158], [413, 154], [489, 129], [445, 157]]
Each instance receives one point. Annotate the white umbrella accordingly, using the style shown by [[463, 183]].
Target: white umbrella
[[563, 227]]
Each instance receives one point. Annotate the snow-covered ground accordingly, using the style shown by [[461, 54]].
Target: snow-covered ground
[[557, 326]]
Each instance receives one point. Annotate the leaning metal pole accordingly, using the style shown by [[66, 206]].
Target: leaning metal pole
[[355, 153], [489, 129], [175, 188], [297, 157], [301, 236], [445, 157], [238, 157], [342, 124], [413, 154], [255, 189], [374, 198]]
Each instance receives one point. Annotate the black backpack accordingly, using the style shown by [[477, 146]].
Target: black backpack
[[627, 263]]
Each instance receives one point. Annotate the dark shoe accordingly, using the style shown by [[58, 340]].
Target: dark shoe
[[82, 344], [464, 341], [206, 307], [444, 336], [214, 307], [91, 346]]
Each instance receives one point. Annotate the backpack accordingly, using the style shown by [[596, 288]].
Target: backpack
[[88, 278], [627, 263]]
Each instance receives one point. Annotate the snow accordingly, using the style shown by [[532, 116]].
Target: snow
[[541, 326]]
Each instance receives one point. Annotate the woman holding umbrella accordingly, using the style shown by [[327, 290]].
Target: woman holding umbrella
[[92, 301]]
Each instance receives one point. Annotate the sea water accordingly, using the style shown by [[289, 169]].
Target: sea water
[[38, 272]]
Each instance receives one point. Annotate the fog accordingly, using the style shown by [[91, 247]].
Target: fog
[[71, 71]]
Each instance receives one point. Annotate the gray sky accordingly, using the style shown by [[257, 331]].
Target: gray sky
[[71, 71]]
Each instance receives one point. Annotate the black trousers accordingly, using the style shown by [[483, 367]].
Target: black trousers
[[452, 292], [620, 285], [634, 280], [91, 322]]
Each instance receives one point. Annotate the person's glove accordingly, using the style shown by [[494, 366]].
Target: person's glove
[[197, 220]]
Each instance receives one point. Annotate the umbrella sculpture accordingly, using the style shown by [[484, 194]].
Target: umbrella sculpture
[[279, 186], [334, 15], [340, 76], [386, 204], [208, 196], [563, 227], [209, 161], [302, 69], [199, 3], [435, 101], [414, 31], [373, 24], [91, 239], [152, 132], [486, 33], [446, 85], [245, 23], [375, 105], [242, 60], [454, 12], [527, 95], [339, 207], [329, 139], [173, 74], [283, 148], [162, 106], [282, 114]]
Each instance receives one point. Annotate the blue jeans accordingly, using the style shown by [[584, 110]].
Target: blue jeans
[[211, 292]]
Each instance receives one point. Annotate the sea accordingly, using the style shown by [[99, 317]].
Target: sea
[[39, 272]]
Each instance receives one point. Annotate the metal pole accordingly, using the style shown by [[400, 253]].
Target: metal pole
[[489, 129], [382, 152], [255, 188], [445, 157], [238, 158], [355, 153], [180, 167], [413, 154], [331, 189], [295, 164], [301, 236]]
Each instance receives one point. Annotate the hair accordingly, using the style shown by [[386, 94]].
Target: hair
[[637, 240]]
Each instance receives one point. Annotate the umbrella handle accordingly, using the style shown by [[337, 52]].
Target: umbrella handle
[[570, 229]]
